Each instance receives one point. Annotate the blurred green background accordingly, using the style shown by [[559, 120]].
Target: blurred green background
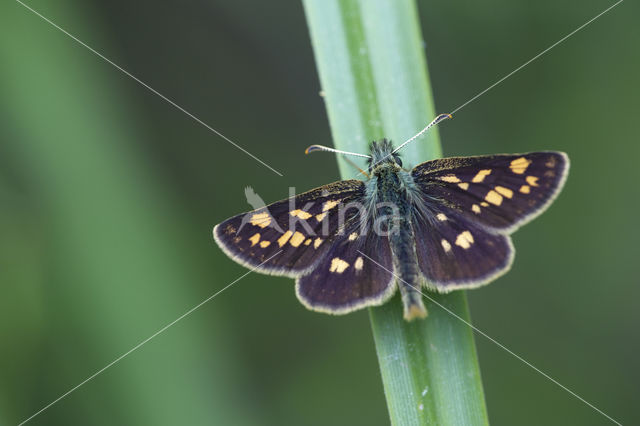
[[108, 195]]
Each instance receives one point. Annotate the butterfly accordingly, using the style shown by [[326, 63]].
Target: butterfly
[[444, 225]]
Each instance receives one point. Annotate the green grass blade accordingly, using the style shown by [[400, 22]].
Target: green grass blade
[[373, 73]]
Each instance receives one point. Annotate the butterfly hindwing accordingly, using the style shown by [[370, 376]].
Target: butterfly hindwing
[[352, 275], [290, 236], [454, 252], [499, 192]]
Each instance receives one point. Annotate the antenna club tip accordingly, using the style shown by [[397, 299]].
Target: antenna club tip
[[311, 149], [443, 117]]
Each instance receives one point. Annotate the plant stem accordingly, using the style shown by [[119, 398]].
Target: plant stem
[[370, 58]]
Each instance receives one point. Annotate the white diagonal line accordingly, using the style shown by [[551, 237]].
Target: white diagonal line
[[500, 345], [536, 57], [520, 67], [91, 377], [151, 89]]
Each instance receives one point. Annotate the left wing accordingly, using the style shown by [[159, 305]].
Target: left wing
[[469, 207]]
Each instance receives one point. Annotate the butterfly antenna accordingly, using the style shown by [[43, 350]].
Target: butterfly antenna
[[345, 158], [435, 121], [314, 148]]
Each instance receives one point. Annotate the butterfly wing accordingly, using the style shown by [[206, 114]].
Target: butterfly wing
[[455, 253], [498, 192], [290, 236], [352, 275], [469, 207]]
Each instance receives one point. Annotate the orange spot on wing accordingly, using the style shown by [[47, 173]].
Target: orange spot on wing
[[450, 179], [254, 239], [479, 177], [519, 165], [493, 197], [296, 239], [504, 191], [301, 214], [532, 180], [284, 238]]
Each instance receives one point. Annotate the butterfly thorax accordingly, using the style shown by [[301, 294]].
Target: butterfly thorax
[[392, 190]]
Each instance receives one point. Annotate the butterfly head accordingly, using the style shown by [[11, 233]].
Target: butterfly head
[[382, 156]]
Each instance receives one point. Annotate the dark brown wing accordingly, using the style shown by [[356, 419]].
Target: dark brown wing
[[290, 236], [499, 192]]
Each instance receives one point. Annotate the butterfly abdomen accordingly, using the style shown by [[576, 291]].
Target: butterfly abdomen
[[394, 186]]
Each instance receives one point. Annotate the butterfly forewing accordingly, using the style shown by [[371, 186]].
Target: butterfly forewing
[[290, 236], [499, 192]]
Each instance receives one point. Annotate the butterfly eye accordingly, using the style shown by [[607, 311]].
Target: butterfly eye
[[398, 159]]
